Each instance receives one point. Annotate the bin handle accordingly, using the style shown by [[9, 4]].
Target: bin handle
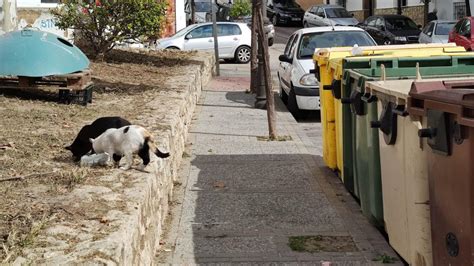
[[327, 87], [346, 100], [400, 110], [368, 98], [466, 121]]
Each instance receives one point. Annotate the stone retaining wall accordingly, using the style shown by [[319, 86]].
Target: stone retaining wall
[[129, 233]]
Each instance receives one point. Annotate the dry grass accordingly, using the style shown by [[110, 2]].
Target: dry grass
[[33, 133]]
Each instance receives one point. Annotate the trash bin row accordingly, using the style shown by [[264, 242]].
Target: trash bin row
[[374, 117]]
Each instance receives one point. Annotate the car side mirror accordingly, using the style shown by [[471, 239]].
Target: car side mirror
[[419, 26], [285, 58], [382, 28], [188, 36]]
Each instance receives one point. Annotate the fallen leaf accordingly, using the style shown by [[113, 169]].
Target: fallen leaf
[[219, 184], [104, 220], [8, 146]]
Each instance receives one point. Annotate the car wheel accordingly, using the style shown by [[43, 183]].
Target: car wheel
[[270, 42], [387, 42], [293, 105], [283, 95], [275, 20], [242, 55]]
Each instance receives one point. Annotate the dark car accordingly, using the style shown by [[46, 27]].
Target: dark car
[[463, 33], [284, 12], [391, 29]]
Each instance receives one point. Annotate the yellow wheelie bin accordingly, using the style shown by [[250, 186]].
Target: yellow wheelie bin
[[328, 66]]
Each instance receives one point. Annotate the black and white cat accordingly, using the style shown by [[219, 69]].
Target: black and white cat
[[81, 145], [126, 141]]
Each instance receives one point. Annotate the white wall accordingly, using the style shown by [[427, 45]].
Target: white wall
[[352, 5], [33, 3], [180, 14], [385, 3]]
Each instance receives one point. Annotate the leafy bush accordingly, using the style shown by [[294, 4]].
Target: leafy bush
[[101, 24], [241, 8]]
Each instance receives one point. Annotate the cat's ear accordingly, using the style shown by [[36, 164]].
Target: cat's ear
[[68, 147], [91, 140]]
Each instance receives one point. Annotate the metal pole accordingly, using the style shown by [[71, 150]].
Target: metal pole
[[214, 33], [261, 97]]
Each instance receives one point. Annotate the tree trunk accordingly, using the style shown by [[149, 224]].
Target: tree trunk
[[193, 12], [253, 59], [267, 75]]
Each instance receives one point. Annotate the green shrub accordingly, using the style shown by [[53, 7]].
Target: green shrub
[[101, 24], [241, 8]]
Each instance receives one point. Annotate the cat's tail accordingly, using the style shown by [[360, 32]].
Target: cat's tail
[[151, 143]]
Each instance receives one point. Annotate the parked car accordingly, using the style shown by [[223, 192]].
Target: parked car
[[462, 35], [327, 15], [299, 88], [392, 29], [284, 12], [233, 40], [436, 31]]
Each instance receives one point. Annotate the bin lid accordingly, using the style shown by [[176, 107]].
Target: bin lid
[[450, 96], [323, 55], [398, 90], [34, 53]]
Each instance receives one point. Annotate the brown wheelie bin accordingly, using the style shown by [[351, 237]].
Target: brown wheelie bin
[[448, 107]]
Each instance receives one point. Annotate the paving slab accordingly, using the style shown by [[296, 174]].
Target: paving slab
[[242, 198]]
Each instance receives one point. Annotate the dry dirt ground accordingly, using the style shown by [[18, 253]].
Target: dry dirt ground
[[34, 129]]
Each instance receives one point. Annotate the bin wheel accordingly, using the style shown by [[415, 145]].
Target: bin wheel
[[293, 105]]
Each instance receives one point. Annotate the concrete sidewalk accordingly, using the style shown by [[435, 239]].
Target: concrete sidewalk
[[241, 197]]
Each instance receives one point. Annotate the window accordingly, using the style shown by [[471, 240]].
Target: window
[[400, 23], [201, 32], [337, 13], [458, 25], [444, 28], [288, 45], [459, 10], [311, 41], [228, 30], [465, 28], [371, 22], [379, 23], [320, 12], [428, 30]]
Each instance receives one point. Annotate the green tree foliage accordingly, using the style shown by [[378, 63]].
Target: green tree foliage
[[241, 8], [101, 24]]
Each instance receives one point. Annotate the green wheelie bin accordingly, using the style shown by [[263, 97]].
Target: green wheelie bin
[[362, 140]]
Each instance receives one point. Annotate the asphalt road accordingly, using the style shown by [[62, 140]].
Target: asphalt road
[[283, 33]]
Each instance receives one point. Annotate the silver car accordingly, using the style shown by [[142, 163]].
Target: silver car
[[327, 15], [436, 31], [233, 40]]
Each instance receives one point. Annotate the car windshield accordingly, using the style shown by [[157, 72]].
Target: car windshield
[[444, 28], [400, 24], [183, 31], [311, 41], [203, 6], [337, 13], [287, 3]]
